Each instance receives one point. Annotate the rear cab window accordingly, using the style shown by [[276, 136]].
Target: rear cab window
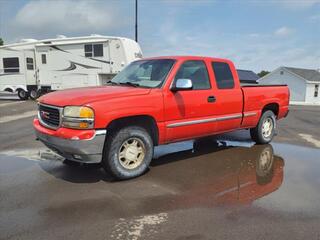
[[223, 75], [197, 72]]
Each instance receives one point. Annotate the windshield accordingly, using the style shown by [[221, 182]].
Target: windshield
[[144, 73]]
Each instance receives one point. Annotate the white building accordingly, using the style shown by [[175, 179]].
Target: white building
[[303, 83]]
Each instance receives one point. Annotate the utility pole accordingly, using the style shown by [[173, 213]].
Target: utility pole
[[136, 25]]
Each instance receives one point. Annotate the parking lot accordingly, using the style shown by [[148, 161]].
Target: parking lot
[[219, 188]]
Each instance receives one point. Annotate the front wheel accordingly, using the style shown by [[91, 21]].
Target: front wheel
[[128, 153], [265, 130]]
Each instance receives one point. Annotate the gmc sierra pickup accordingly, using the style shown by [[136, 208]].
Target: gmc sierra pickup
[[151, 102]]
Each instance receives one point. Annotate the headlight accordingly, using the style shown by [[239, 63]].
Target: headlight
[[78, 117]]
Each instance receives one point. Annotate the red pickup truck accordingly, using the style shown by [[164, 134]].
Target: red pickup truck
[[151, 102]]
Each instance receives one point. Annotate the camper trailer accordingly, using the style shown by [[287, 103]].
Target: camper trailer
[[17, 71], [63, 63]]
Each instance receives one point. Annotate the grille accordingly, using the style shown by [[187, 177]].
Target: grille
[[49, 116]]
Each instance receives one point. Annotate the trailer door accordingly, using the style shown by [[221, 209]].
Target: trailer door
[[29, 63]]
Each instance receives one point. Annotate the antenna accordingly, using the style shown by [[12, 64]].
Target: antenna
[[136, 19]]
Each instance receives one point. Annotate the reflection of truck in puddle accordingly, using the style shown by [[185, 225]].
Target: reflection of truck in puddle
[[236, 175]]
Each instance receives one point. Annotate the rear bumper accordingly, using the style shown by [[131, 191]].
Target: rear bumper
[[85, 151]]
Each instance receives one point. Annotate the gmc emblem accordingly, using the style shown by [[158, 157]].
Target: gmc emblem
[[44, 114]]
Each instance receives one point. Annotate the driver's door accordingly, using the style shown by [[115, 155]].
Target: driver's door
[[189, 113]]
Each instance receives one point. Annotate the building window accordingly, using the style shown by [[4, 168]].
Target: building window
[[316, 90], [223, 75], [11, 65], [93, 50], [281, 72], [197, 72], [44, 58], [29, 63]]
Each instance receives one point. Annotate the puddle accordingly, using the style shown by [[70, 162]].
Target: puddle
[[193, 189], [206, 174]]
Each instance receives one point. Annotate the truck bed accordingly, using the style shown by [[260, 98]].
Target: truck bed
[[256, 97]]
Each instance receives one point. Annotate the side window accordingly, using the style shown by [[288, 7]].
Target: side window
[[11, 65], [88, 50], [223, 75], [98, 50], [44, 58], [196, 71], [93, 50], [29, 63]]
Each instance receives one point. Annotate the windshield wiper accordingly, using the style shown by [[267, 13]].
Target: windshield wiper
[[130, 84], [112, 83]]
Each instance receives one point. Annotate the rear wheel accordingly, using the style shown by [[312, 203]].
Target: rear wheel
[[265, 130], [34, 94], [128, 153], [22, 94]]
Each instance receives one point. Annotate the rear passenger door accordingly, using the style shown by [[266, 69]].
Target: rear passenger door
[[188, 113], [228, 97]]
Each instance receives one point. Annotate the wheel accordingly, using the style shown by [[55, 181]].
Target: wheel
[[264, 165], [265, 130], [34, 94], [22, 94], [264, 162], [128, 153]]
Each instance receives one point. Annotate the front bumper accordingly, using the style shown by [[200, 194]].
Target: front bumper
[[84, 151]]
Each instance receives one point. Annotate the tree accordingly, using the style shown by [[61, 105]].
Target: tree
[[263, 73], [1, 41]]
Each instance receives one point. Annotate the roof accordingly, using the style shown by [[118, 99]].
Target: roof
[[247, 76], [62, 40], [308, 74]]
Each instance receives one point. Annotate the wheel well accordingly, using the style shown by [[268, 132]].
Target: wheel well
[[274, 107], [144, 121], [17, 90], [8, 90]]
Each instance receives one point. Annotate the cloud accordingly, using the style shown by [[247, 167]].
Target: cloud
[[46, 17], [284, 32]]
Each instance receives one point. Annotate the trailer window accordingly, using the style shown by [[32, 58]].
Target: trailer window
[[29, 63], [11, 65], [223, 75], [44, 58], [93, 50]]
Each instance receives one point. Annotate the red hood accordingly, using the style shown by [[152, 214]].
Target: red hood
[[81, 96]]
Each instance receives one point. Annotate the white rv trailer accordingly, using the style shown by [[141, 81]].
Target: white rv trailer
[[73, 62], [17, 69]]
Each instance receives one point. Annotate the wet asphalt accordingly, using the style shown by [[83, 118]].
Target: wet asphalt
[[217, 188]]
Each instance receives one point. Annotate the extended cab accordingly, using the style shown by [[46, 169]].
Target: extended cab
[[152, 102]]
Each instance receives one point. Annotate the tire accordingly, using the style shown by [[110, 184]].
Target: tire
[[22, 94], [128, 153], [261, 134], [264, 165], [34, 94]]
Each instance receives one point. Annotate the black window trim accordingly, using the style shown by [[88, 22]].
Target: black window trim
[[44, 58], [92, 50], [188, 60], [28, 64], [214, 75], [5, 69]]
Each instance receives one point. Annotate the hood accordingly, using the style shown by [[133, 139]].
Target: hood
[[82, 96]]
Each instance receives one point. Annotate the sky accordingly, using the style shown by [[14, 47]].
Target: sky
[[255, 34]]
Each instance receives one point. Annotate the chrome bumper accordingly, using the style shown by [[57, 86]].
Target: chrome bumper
[[85, 151]]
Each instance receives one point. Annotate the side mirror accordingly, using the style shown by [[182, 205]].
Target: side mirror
[[182, 84]]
